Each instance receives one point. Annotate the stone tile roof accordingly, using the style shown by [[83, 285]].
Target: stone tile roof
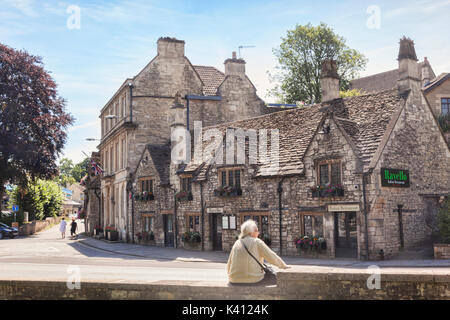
[[364, 119], [381, 81], [436, 81], [296, 128], [161, 159], [211, 77]]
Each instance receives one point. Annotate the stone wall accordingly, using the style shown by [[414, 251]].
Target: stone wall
[[37, 226], [442, 251], [415, 145], [292, 285]]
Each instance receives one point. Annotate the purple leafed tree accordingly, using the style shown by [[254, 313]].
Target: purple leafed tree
[[33, 119]]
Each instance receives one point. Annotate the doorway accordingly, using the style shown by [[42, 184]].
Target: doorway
[[216, 229], [345, 235], [168, 230]]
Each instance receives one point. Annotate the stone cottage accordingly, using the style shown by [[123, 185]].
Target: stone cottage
[[364, 174], [138, 115]]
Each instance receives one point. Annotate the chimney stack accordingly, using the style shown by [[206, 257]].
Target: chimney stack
[[234, 66], [426, 77], [329, 80], [408, 72], [170, 47]]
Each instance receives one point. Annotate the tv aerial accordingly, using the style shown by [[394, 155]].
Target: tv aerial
[[242, 47]]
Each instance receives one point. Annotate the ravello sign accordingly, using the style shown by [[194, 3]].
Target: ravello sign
[[394, 178]]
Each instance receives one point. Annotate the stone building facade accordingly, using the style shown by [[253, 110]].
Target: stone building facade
[[138, 114], [331, 179], [365, 174]]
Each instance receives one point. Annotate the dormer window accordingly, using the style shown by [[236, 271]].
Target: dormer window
[[146, 185], [230, 177], [329, 173], [186, 184]]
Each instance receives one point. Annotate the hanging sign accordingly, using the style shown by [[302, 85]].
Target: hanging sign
[[398, 178]]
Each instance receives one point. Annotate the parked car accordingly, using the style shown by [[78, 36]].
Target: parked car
[[7, 231]]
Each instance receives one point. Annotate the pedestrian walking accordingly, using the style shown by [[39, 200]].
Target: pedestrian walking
[[73, 228], [62, 228], [246, 261]]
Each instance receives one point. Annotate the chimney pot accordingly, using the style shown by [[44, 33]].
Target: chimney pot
[[234, 55]]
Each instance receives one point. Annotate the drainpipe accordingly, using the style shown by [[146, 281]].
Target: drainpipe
[[130, 85], [99, 206], [132, 215], [365, 174], [187, 113], [280, 209], [203, 215]]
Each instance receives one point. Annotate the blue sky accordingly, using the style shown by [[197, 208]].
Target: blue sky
[[117, 39]]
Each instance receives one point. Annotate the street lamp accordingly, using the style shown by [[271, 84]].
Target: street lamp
[[92, 139], [111, 116]]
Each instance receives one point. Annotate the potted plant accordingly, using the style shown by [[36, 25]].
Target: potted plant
[[191, 239], [112, 234], [98, 229], [228, 191]]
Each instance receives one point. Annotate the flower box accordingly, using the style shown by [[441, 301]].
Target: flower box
[[308, 245], [441, 251], [184, 196], [113, 235], [144, 196], [327, 191], [228, 192]]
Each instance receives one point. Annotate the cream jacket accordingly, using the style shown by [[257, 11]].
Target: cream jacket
[[242, 268]]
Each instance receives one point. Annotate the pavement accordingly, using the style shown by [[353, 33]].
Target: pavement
[[152, 252]]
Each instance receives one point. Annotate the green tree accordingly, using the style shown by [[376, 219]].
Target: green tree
[[65, 172], [80, 170], [300, 57], [41, 199]]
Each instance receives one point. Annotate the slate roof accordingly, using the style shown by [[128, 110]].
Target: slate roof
[[436, 81], [364, 119], [381, 81], [161, 159], [211, 77]]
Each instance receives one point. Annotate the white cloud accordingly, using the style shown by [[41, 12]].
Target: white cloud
[[85, 125], [24, 6]]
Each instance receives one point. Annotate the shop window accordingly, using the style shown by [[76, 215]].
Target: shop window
[[149, 223], [230, 177], [193, 223], [311, 224]]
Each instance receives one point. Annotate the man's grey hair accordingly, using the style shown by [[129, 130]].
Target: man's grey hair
[[248, 227]]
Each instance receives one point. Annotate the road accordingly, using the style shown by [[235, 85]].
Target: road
[[45, 256]]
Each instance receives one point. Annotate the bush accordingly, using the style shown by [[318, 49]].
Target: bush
[[40, 199], [444, 122], [444, 222]]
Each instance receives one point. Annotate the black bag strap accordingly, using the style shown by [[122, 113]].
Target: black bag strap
[[262, 267]]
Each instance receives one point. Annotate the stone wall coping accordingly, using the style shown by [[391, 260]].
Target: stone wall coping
[[442, 245], [404, 275]]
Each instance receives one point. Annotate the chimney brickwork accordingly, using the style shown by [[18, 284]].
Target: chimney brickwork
[[329, 81]]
